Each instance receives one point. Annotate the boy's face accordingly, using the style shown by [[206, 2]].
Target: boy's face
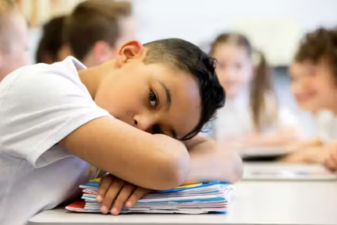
[[314, 86], [152, 97], [14, 55]]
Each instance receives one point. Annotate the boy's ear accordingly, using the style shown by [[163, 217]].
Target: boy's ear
[[131, 50]]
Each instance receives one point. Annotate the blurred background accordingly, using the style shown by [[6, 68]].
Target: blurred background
[[274, 26]]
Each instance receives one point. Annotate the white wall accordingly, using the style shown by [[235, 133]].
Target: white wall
[[274, 25]]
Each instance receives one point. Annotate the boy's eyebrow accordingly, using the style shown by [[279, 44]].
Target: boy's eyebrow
[[168, 95]]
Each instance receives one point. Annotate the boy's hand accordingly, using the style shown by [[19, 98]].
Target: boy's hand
[[113, 190], [330, 158]]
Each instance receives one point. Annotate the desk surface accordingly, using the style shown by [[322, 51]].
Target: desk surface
[[264, 202], [286, 172]]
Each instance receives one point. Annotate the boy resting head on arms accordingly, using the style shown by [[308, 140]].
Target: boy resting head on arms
[[137, 117]]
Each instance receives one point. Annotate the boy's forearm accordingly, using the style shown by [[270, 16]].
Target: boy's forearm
[[150, 161], [210, 162]]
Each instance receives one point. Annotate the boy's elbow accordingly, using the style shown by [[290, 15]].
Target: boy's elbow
[[236, 168], [176, 169], [238, 171]]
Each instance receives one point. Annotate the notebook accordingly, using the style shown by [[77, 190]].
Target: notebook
[[211, 197]]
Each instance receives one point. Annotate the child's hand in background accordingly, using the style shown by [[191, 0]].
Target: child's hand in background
[[311, 152], [330, 157], [313, 155], [116, 192]]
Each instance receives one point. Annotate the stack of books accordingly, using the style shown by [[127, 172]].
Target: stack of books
[[212, 197]]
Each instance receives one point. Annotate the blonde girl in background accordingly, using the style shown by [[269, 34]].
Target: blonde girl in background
[[252, 116]]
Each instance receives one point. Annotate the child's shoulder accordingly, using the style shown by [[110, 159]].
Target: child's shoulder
[[44, 76], [41, 82]]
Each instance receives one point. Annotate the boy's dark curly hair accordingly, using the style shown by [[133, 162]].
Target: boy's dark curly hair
[[317, 45]]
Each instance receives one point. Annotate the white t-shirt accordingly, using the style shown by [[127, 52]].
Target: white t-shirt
[[39, 106], [235, 119]]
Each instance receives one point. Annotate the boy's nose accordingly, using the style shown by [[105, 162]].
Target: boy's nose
[[144, 123]]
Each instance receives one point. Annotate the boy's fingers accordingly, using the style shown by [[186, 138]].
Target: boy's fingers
[[122, 198], [105, 183], [136, 195], [111, 195]]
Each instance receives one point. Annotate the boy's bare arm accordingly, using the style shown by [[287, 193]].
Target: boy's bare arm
[[149, 161], [209, 161]]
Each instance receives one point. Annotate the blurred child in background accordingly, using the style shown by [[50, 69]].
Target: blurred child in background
[[252, 115], [13, 38], [51, 47], [314, 85], [96, 28]]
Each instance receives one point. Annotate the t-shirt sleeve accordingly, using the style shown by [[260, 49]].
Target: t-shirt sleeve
[[38, 110]]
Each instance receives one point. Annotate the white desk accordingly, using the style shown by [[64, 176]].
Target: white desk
[[264, 202], [286, 172]]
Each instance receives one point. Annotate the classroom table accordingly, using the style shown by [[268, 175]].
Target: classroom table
[[286, 171], [255, 202]]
